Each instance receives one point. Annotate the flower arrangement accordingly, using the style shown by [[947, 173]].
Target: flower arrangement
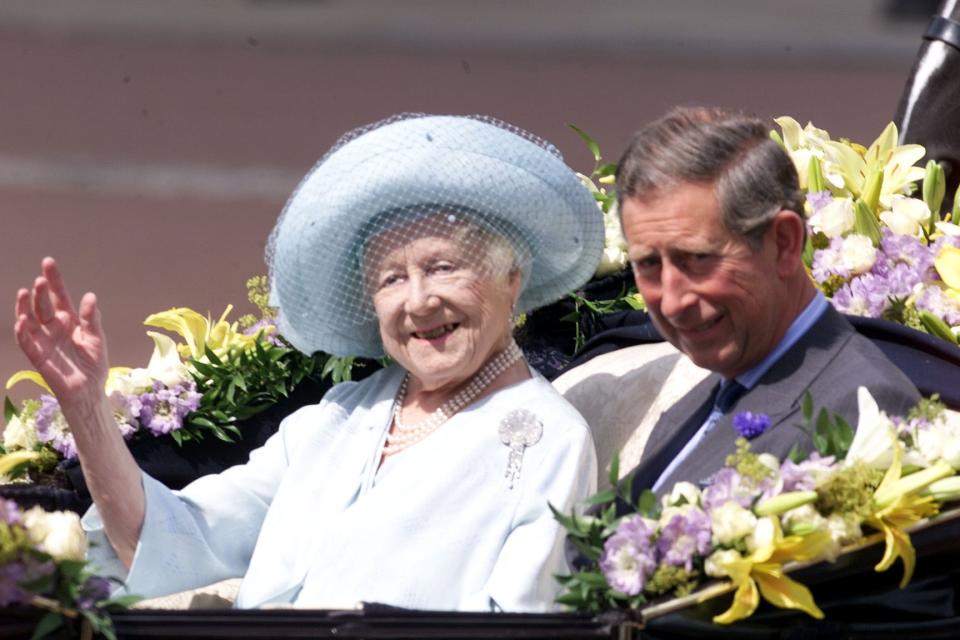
[[220, 374], [759, 516], [42, 565], [877, 245]]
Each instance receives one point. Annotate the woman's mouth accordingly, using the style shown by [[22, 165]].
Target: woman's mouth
[[436, 332]]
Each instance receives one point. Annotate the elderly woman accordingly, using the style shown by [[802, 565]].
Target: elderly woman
[[426, 485]]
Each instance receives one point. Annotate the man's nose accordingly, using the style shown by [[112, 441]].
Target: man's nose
[[676, 294]]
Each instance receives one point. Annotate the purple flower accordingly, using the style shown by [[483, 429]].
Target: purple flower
[[269, 329], [163, 410], [726, 485], [803, 476], [52, 427], [933, 299], [866, 295], [93, 591], [629, 556], [11, 575], [750, 425], [9, 512], [828, 262], [686, 534], [819, 199], [20, 570]]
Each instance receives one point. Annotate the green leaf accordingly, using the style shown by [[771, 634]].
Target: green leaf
[[593, 146], [955, 210], [47, 625], [871, 191], [587, 550], [9, 410], [865, 223], [807, 407], [843, 436], [937, 327], [647, 502], [796, 455], [122, 602], [821, 438], [606, 169], [614, 476], [602, 497], [934, 189], [808, 250], [814, 176]]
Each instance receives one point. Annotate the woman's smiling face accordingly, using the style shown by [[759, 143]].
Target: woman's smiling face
[[443, 310]]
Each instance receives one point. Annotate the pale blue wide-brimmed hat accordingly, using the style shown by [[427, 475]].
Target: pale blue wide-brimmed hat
[[510, 181]]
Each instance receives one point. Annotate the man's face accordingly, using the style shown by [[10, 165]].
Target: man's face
[[707, 291]]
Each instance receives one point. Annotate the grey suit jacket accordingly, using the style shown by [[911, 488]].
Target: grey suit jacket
[[830, 361]]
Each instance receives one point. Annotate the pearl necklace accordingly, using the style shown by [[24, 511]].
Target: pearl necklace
[[405, 435]]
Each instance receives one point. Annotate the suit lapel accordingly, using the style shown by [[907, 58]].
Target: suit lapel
[[778, 394], [672, 431]]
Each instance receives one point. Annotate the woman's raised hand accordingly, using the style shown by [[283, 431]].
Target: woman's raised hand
[[65, 346]]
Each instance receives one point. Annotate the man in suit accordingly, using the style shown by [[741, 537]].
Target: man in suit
[[713, 217]]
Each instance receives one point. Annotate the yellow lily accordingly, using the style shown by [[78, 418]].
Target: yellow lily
[[899, 506], [37, 379], [10, 461], [761, 573], [861, 168], [947, 264], [30, 376], [201, 333]]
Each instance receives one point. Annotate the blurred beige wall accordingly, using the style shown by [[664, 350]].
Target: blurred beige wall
[[150, 150]]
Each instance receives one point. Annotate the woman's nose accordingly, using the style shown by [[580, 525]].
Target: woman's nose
[[421, 297]]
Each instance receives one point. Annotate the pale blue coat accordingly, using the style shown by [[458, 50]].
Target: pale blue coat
[[309, 520]]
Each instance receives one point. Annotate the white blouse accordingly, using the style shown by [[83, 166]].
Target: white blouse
[[311, 520]]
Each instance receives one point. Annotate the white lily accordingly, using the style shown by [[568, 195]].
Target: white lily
[[876, 437]]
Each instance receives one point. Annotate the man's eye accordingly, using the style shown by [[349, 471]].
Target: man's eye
[[645, 264]]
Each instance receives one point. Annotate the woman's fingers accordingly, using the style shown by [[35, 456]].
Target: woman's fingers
[[43, 309], [90, 315], [57, 288]]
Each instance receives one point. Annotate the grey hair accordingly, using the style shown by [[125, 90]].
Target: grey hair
[[752, 175], [502, 249]]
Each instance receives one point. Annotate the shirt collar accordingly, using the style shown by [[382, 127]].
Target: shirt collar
[[800, 325]]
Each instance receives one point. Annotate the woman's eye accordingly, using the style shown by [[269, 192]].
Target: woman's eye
[[442, 267], [389, 280]]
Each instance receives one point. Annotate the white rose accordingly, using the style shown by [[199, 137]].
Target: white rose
[[715, 562], [858, 254], [835, 219], [803, 517], [905, 215], [844, 528], [57, 532], [612, 261], [682, 493], [730, 522], [17, 435], [941, 441]]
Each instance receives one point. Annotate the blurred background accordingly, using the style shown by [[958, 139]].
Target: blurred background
[[149, 146]]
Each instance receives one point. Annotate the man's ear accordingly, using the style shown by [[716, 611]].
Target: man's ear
[[787, 228]]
